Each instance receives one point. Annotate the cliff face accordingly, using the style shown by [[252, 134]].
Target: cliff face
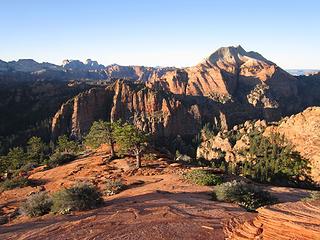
[[158, 112], [76, 115]]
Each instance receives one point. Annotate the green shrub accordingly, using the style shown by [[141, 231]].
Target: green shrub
[[36, 150], [64, 145], [315, 195], [81, 196], [58, 159], [17, 182], [37, 205], [16, 158], [28, 167], [246, 195], [273, 159], [150, 156], [114, 187], [202, 177]]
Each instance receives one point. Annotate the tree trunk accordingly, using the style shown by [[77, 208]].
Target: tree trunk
[[112, 150], [138, 160]]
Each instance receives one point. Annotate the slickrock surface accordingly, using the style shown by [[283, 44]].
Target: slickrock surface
[[156, 205], [296, 220]]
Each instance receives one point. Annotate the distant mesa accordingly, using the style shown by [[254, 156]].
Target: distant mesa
[[89, 65]]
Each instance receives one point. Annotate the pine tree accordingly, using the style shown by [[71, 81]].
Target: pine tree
[[102, 132], [36, 150], [131, 139]]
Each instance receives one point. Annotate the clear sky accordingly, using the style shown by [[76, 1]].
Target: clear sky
[[159, 32]]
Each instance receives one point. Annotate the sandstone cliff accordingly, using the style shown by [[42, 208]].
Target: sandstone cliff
[[157, 112], [75, 116], [233, 74]]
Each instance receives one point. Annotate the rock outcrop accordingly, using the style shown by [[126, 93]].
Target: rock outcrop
[[75, 117], [295, 220], [157, 112], [136, 73], [3, 66], [302, 130], [230, 143], [76, 65], [29, 65], [231, 73]]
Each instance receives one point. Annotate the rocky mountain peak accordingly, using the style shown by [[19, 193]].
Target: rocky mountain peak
[[235, 56]]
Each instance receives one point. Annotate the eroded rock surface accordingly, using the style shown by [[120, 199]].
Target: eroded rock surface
[[295, 220]]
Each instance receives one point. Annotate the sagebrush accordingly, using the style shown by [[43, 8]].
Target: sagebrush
[[114, 187], [17, 182], [246, 195], [37, 204], [81, 196], [202, 177]]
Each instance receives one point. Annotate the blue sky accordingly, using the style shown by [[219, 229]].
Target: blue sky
[[159, 32]]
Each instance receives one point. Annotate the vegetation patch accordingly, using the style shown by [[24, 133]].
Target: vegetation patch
[[273, 160], [114, 187], [150, 156], [37, 205], [202, 177], [246, 195], [81, 196], [315, 195], [58, 159], [17, 182]]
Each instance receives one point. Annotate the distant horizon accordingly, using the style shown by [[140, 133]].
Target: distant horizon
[[159, 33], [84, 60]]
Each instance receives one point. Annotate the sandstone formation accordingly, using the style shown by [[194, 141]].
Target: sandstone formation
[[231, 73], [156, 198], [302, 130], [76, 115], [241, 85], [3, 66], [223, 142], [136, 73], [160, 113], [75, 65], [28, 65], [296, 220]]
